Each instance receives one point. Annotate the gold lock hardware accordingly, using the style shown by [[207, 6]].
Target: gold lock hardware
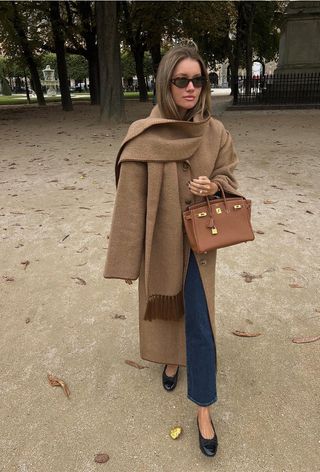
[[200, 215], [218, 210], [236, 206], [214, 231]]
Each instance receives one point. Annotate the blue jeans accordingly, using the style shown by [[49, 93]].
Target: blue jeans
[[200, 345]]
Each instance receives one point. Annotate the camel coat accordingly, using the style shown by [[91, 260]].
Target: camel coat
[[163, 341]]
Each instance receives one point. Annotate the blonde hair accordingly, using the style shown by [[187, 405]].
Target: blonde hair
[[167, 106]]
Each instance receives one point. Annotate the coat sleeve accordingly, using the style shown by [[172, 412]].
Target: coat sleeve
[[127, 233], [225, 164]]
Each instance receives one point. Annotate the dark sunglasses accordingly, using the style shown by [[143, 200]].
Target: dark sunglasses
[[182, 82]]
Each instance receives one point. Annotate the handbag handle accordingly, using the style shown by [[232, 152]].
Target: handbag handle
[[211, 224]]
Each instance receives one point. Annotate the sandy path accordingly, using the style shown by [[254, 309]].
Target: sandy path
[[56, 198]]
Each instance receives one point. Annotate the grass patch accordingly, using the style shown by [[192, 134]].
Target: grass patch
[[21, 99]]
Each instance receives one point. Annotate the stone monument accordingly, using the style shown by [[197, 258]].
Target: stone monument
[[299, 50]]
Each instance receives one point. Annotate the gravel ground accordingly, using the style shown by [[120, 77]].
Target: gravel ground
[[59, 315]]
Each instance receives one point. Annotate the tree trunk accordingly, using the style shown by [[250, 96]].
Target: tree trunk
[[87, 13], [155, 51], [93, 63], [111, 101], [250, 12], [138, 54], [25, 47], [58, 37], [27, 88]]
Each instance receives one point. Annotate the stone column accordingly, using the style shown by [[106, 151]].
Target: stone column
[[300, 39]]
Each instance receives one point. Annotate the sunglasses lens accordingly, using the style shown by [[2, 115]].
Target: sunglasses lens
[[182, 82], [199, 81]]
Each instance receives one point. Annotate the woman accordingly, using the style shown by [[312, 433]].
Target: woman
[[168, 161]]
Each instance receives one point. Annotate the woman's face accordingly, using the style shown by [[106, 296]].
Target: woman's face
[[187, 97]]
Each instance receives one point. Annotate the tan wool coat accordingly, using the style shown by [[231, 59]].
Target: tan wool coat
[[147, 240]]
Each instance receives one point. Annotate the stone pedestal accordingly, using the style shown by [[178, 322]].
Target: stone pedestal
[[300, 39]]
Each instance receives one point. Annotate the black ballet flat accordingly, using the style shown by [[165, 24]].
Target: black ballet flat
[[208, 446], [169, 383]]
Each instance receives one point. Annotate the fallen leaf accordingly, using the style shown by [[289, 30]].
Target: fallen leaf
[[28, 320], [175, 432], [63, 239], [268, 202], [245, 334], [82, 249], [79, 281], [308, 339], [25, 263], [135, 364], [69, 187], [101, 458], [7, 278], [119, 317], [295, 286], [56, 382], [287, 231], [289, 269], [259, 231], [249, 277], [310, 212]]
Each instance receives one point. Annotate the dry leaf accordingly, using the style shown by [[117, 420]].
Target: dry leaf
[[310, 212], [82, 249], [56, 382], [244, 334], [79, 281], [119, 317], [7, 278], [269, 202], [63, 239], [259, 231], [308, 339], [25, 263], [287, 231], [295, 286], [101, 458], [249, 277], [28, 320], [69, 187], [289, 268], [135, 364], [176, 432]]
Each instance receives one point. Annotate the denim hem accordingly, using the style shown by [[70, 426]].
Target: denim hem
[[203, 404]]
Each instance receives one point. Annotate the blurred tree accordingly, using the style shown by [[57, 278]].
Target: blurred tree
[[15, 33], [58, 37], [111, 94]]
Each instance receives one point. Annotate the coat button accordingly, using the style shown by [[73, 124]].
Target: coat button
[[188, 201], [185, 166], [203, 262]]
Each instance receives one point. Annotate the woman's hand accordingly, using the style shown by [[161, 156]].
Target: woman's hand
[[128, 281], [202, 186]]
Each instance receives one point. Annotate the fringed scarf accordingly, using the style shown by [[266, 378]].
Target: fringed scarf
[[161, 143]]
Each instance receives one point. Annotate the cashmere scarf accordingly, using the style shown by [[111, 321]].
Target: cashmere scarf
[[161, 143]]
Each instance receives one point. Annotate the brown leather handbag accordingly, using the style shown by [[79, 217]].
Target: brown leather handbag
[[218, 222]]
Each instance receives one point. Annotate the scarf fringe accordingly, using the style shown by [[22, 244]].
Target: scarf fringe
[[165, 307]]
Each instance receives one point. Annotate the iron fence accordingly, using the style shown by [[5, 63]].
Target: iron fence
[[278, 89]]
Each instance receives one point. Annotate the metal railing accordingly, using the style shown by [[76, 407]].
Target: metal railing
[[278, 89]]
